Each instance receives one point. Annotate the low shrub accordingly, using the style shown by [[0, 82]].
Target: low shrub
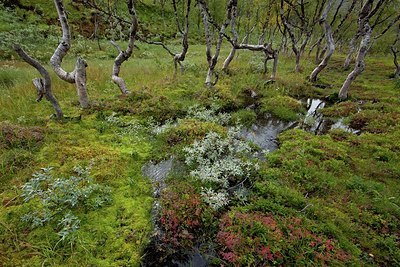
[[342, 109], [219, 163], [258, 239], [56, 200]]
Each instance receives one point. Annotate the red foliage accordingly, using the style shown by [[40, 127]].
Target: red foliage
[[259, 239], [181, 216]]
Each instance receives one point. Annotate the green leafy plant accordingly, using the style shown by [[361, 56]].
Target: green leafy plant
[[58, 199], [220, 162]]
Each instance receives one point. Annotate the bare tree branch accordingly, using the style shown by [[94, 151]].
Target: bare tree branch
[[125, 55], [43, 85]]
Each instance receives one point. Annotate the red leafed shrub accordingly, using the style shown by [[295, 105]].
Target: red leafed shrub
[[182, 216], [257, 239]]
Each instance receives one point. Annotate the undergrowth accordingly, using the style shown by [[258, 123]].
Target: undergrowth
[[318, 200]]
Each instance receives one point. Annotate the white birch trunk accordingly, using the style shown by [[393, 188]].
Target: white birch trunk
[[360, 62], [80, 81], [329, 42], [125, 55], [61, 51]]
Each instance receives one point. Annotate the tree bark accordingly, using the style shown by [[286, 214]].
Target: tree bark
[[329, 42], [180, 57], [213, 59], [43, 85], [232, 53], [64, 45], [125, 55], [62, 50], [80, 81], [396, 62], [275, 66], [229, 59], [360, 63]]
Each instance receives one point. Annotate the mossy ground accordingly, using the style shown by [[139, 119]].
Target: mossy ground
[[342, 187]]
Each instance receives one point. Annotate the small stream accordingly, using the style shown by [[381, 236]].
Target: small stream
[[264, 134], [316, 123]]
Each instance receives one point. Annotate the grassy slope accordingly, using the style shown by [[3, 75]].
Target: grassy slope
[[351, 182]]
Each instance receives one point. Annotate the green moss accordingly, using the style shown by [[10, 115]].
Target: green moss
[[282, 107], [342, 109], [344, 187], [244, 117], [189, 130]]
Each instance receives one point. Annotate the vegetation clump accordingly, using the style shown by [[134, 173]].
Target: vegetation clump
[[12, 136], [282, 107], [56, 199], [220, 162], [256, 239], [342, 109]]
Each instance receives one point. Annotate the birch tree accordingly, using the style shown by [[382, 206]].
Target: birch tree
[[125, 55], [207, 20], [380, 18], [184, 31], [261, 46], [43, 85], [78, 75], [329, 42], [300, 25], [364, 31]]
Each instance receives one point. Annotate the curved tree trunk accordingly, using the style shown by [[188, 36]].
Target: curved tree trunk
[[329, 42], [125, 55], [43, 85], [360, 63], [293, 39], [64, 45], [266, 48], [232, 53], [62, 50], [229, 59], [179, 58], [212, 60]]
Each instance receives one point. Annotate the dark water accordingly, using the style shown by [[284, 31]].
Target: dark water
[[316, 123], [157, 172], [265, 132]]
